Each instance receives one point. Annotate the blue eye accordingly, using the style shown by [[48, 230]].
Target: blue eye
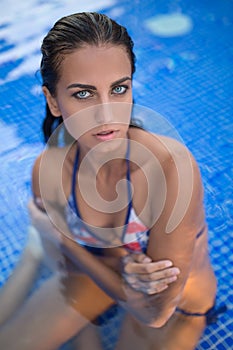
[[83, 94], [119, 90]]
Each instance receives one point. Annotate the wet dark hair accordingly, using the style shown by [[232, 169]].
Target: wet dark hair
[[68, 34]]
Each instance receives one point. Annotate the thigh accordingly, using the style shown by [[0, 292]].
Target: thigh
[[44, 322], [84, 296], [179, 333], [55, 313], [88, 338]]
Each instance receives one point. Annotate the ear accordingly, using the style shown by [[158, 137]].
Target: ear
[[52, 102]]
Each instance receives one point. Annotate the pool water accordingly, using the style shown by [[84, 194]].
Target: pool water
[[184, 72]]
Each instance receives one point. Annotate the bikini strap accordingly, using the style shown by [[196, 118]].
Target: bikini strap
[[73, 183], [76, 162], [211, 315], [129, 192]]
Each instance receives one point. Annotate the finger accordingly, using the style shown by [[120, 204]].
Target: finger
[[132, 280], [146, 286], [157, 287], [141, 258], [149, 289], [157, 284], [126, 259], [159, 275], [145, 268], [156, 290], [136, 258]]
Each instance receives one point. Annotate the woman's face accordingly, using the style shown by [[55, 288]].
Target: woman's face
[[94, 93]]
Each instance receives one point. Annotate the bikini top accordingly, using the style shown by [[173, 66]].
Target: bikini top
[[135, 234]]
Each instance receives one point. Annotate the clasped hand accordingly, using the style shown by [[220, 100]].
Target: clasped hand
[[144, 275]]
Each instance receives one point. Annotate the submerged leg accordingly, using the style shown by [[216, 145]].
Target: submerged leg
[[179, 333], [15, 290], [54, 314], [88, 338]]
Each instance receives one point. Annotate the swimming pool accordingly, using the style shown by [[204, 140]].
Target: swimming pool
[[184, 72]]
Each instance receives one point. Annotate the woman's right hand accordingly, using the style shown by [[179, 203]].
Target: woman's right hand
[[146, 276], [42, 222], [50, 236]]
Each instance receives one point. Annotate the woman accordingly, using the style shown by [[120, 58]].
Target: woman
[[133, 200], [90, 87]]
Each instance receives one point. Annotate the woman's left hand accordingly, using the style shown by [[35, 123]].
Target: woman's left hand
[[144, 275]]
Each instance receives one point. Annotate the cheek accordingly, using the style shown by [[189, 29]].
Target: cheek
[[68, 109], [85, 120], [80, 122]]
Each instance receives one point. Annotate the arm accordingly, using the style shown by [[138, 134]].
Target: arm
[[148, 309], [111, 282], [52, 227], [105, 275], [173, 236]]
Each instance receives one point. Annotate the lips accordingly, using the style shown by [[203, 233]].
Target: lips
[[106, 134]]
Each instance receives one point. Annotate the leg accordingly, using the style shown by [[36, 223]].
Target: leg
[[48, 320], [88, 338], [14, 292], [180, 333]]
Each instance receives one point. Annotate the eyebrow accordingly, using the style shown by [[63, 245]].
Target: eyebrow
[[92, 87]]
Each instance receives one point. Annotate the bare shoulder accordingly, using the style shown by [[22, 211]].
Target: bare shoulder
[[168, 151], [48, 170]]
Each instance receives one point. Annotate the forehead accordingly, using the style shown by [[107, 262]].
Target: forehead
[[91, 63]]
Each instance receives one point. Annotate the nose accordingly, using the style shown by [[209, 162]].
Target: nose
[[104, 113]]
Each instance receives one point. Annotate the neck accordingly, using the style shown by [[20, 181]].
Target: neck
[[103, 160]]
